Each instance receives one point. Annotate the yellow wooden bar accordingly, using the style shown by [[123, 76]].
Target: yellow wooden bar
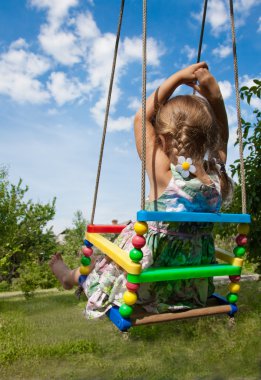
[[118, 255], [223, 255]]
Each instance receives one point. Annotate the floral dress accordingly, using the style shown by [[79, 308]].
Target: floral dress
[[167, 245]]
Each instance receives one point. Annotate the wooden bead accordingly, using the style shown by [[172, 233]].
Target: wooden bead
[[233, 287], [235, 278], [141, 228], [87, 251], [138, 241], [125, 310], [243, 228], [85, 261], [232, 298], [85, 270], [241, 240], [130, 298], [239, 251], [136, 255], [132, 287]]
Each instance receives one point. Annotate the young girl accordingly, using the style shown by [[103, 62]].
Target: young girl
[[185, 155]]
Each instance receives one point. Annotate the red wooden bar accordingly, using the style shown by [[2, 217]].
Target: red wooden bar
[[105, 229]]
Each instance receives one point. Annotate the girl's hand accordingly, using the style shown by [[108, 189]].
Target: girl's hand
[[207, 85], [188, 76]]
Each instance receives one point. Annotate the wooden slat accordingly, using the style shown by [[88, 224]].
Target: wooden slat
[[167, 216], [223, 255], [118, 255], [154, 274], [166, 317], [105, 229]]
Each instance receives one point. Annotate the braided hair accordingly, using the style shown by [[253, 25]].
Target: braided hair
[[190, 129]]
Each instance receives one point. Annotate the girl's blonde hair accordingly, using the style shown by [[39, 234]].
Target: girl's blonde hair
[[189, 128]]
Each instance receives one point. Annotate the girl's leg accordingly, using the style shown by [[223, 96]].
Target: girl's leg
[[67, 277]]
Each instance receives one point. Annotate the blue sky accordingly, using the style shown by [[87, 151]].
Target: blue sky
[[55, 60]]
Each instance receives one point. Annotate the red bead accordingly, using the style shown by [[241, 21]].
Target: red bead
[[234, 278], [241, 240], [138, 241], [87, 251], [132, 287]]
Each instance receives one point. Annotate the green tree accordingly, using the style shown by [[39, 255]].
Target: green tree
[[25, 239], [252, 163]]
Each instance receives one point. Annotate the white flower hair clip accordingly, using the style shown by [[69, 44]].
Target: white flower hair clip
[[185, 166]]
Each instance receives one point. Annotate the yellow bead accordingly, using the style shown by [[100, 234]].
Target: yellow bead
[[185, 165], [140, 228], [243, 228], [85, 270], [130, 298], [233, 287]]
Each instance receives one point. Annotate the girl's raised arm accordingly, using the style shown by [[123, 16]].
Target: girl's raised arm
[[154, 156], [209, 88]]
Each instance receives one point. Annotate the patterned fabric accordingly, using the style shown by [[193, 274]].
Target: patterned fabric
[[167, 245]]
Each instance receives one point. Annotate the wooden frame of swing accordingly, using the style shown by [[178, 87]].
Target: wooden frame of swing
[[134, 271]]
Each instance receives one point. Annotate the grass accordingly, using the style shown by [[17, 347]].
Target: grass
[[47, 337]]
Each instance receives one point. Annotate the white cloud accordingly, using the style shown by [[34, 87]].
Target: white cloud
[[134, 104], [245, 5], [190, 52], [19, 70], [231, 115], [152, 86], [226, 88], [62, 89], [62, 46], [18, 44], [132, 50], [80, 41], [86, 27], [232, 137], [121, 124], [222, 51], [217, 16], [57, 9]]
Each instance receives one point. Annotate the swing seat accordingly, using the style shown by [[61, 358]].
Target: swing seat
[[232, 266]]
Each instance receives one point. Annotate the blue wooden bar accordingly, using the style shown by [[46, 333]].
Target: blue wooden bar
[[166, 216]]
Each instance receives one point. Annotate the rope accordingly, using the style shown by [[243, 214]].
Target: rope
[[239, 126], [201, 34], [202, 30], [107, 111], [144, 72]]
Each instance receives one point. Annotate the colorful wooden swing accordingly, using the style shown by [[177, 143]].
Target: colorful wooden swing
[[125, 316]]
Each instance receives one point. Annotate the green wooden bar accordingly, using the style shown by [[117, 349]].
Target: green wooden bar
[[182, 273]]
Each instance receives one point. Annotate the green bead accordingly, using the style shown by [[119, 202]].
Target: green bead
[[85, 261], [232, 297], [136, 255], [125, 310], [239, 251]]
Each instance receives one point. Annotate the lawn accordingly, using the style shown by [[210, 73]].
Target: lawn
[[47, 337]]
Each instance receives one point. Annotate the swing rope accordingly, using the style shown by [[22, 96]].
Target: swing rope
[[202, 30], [144, 75], [239, 125], [201, 33], [107, 110]]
